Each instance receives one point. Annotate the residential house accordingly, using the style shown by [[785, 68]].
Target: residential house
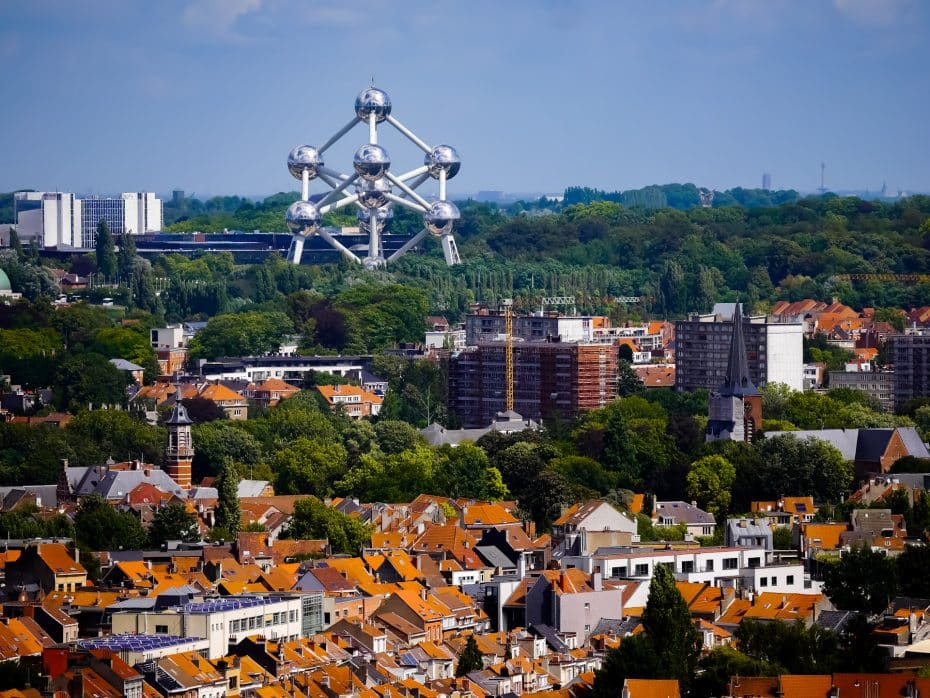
[[50, 566], [696, 521], [571, 601], [355, 402], [584, 527]]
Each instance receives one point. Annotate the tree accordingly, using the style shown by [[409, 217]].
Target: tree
[[914, 571], [668, 622], [201, 410], [308, 466], [628, 382], [861, 580], [799, 467], [228, 513], [789, 648], [101, 434], [173, 522], [314, 520], [127, 255], [217, 442], [668, 647], [710, 482], [775, 397], [106, 254], [465, 471], [89, 379], [720, 665], [241, 334], [395, 436], [470, 659], [99, 526]]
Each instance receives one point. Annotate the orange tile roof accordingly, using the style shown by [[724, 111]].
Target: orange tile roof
[[59, 560], [827, 534], [220, 393], [488, 515], [651, 688]]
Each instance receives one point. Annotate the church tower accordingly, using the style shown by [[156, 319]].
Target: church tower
[[736, 406], [179, 455]]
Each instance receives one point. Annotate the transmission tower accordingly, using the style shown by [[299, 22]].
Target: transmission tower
[[822, 188]]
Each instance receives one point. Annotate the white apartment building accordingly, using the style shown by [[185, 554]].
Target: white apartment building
[[784, 354], [221, 622], [62, 220]]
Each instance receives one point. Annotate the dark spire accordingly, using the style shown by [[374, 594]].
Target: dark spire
[[179, 414], [737, 380]]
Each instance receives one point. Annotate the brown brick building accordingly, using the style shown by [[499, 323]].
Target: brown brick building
[[549, 378]]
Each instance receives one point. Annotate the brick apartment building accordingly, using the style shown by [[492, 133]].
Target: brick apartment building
[[549, 377]]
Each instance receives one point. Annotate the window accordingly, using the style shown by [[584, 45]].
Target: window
[[763, 582], [161, 629], [754, 562], [642, 570], [709, 566], [789, 579], [730, 563], [587, 606], [774, 581], [687, 566]]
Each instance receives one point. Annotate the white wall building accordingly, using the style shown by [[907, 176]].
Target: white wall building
[[784, 353], [221, 621], [61, 219]]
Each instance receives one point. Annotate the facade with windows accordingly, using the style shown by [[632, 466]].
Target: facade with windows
[[62, 220], [774, 351], [222, 622]]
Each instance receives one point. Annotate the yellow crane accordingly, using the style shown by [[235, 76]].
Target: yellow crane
[[883, 277], [507, 304]]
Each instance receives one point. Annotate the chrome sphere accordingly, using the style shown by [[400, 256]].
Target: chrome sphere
[[383, 215], [303, 218], [372, 101], [442, 158], [304, 157], [441, 217], [371, 162], [373, 194]]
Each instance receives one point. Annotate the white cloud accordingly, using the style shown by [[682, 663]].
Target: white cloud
[[218, 17], [871, 11]]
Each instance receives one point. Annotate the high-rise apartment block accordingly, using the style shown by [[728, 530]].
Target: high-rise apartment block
[[911, 353], [774, 350], [549, 377], [62, 220]]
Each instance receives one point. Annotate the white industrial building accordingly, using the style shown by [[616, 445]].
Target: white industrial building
[[62, 220]]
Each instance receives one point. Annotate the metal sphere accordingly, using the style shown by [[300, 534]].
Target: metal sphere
[[373, 194], [373, 101], [304, 157], [442, 158], [441, 217], [383, 215], [371, 162], [303, 218]]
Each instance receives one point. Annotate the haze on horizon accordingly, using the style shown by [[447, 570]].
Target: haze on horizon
[[210, 95]]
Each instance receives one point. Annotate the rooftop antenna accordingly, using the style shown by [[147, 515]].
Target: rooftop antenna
[[822, 189]]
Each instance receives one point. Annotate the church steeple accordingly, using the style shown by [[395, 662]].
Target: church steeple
[[179, 455], [737, 382]]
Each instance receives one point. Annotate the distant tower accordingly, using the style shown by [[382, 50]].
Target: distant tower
[[707, 198], [767, 181], [179, 455], [822, 188], [736, 406]]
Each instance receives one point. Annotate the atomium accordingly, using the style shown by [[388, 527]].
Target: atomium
[[303, 218], [373, 188], [304, 158]]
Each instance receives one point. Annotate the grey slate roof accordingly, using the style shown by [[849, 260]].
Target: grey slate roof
[[47, 494], [615, 626], [506, 422], [834, 620], [862, 444], [251, 488], [684, 512], [494, 556], [116, 484], [124, 365], [551, 636]]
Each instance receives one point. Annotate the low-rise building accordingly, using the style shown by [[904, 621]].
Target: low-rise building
[[355, 402]]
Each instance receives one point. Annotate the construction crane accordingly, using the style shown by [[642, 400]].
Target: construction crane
[[883, 277], [507, 304]]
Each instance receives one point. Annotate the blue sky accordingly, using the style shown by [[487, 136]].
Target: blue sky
[[210, 95]]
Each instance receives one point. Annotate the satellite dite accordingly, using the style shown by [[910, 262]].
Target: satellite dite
[[374, 186]]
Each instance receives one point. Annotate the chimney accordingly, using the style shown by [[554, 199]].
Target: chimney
[[596, 579]]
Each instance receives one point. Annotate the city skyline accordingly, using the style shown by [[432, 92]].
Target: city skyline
[[209, 96]]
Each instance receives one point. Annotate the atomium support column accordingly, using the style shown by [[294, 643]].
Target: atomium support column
[[374, 186]]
